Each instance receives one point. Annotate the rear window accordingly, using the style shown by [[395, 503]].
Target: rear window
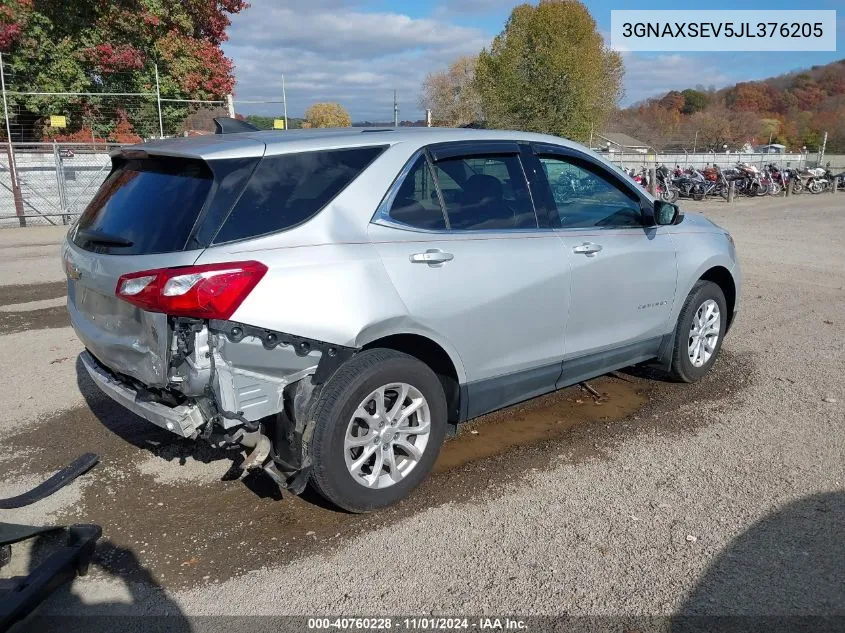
[[288, 189], [148, 205]]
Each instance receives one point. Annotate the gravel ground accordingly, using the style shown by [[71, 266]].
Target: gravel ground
[[722, 498]]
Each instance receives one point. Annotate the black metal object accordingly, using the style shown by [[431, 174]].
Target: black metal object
[[333, 356], [228, 125], [20, 595], [80, 466]]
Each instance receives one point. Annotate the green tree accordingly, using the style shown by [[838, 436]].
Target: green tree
[[694, 101], [96, 46], [327, 115], [549, 71]]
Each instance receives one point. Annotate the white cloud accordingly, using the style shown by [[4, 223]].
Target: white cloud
[[328, 52], [647, 76]]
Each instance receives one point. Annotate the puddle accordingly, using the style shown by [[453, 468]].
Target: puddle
[[541, 419], [199, 530], [44, 318], [24, 293]]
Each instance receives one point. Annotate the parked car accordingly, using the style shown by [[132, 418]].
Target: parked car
[[336, 301]]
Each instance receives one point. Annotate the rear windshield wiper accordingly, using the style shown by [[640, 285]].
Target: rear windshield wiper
[[98, 237]]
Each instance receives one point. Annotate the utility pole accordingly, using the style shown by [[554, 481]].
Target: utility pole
[[428, 118], [13, 172], [158, 101], [285, 102], [395, 110]]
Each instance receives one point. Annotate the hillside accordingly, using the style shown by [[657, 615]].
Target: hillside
[[794, 109]]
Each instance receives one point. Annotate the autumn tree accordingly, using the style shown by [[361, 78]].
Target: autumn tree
[[795, 109], [549, 71], [673, 100], [451, 94], [327, 115], [95, 46]]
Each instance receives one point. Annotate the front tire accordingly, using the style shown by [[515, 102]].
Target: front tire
[[699, 332], [379, 423]]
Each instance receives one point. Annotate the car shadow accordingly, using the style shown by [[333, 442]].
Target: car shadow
[[143, 605], [785, 573]]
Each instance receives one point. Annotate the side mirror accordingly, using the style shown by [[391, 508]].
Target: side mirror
[[665, 213]]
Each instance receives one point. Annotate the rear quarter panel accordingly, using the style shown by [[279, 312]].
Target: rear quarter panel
[[337, 293]]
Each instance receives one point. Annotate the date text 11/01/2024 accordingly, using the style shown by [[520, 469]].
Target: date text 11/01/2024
[[722, 29], [418, 624]]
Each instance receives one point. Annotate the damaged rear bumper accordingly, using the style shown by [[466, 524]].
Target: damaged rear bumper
[[184, 420], [234, 385]]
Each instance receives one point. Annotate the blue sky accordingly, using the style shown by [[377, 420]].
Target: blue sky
[[356, 52]]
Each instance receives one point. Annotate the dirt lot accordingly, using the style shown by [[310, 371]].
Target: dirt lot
[[725, 497]]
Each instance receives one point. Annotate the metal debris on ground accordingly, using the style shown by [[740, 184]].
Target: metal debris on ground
[[589, 388]]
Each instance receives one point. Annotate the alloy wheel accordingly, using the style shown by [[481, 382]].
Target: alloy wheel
[[704, 333], [387, 435]]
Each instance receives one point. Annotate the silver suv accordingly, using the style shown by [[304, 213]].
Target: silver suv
[[335, 301]]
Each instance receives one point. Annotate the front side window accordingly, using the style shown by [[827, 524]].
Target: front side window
[[288, 189], [416, 203], [585, 198], [485, 193]]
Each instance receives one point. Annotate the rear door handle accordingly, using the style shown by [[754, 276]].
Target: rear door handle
[[432, 257], [588, 248]]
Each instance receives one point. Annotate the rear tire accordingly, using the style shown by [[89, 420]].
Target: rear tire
[[698, 335], [359, 460]]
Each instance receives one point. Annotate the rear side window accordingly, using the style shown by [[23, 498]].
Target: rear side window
[[416, 203], [485, 193], [148, 205], [288, 189]]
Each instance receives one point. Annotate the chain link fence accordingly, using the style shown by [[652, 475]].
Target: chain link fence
[[700, 160], [55, 181]]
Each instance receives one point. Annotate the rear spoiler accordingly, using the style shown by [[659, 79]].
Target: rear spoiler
[[228, 125]]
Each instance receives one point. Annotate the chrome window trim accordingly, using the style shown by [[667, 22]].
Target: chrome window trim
[[577, 229], [458, 233]]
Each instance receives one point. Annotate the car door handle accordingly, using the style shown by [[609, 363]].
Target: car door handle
[[588, 248], [432, 257]]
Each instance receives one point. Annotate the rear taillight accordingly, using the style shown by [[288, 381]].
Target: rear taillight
[[211, 291]]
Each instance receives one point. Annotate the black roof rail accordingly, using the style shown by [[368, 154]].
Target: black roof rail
[[228, 125], [378, 129]]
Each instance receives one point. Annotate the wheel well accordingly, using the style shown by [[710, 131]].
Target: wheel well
[[430, 353], [722, 277]]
